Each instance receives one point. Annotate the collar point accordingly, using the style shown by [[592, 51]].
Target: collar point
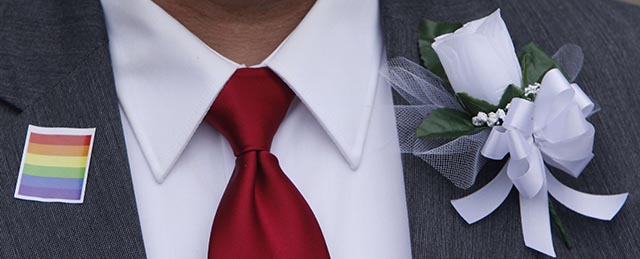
[[354, 165], [353, 159], [159, 174]]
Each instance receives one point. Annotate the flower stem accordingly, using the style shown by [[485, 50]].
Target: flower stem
[[556, 221]]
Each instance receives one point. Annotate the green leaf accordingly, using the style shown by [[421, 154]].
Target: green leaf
[[429, 30], [473, 105], [511, 92], [535, 63], [447, 123]]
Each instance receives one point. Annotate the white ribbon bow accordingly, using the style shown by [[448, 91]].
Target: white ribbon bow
[[551, 130]]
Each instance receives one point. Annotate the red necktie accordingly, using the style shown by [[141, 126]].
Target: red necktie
[[261, 214]]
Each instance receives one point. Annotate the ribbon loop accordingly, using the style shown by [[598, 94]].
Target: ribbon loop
[[496, 147], [583, 101], [527, 174], [519, 116], [561, 131], [554, 97]]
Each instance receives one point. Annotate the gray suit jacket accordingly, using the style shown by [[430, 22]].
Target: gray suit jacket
[[55, 70]]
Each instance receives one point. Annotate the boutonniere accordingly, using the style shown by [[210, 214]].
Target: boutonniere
[[478, 100]]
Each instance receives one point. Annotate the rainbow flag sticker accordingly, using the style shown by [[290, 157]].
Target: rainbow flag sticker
[[55, 164]]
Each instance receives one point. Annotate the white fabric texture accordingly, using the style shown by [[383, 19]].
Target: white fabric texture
[[338, 144]]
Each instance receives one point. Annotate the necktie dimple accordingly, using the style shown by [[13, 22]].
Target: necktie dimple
[[262, 214]]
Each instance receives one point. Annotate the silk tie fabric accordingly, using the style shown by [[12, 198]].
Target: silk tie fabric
[[262, 214]]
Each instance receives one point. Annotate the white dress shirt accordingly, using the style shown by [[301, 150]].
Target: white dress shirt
[[338, 143]]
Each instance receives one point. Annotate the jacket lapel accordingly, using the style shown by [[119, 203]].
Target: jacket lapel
[[55, 71]]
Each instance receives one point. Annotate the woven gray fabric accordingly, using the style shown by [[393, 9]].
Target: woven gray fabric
[[55, 70], [608, 33]]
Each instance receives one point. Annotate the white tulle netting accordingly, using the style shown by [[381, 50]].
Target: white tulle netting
[[458, 160]]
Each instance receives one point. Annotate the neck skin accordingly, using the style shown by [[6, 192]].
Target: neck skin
[[245, 31]]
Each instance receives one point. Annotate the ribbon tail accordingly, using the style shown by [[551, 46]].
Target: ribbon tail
[[603, 207], [483, 202], [536, 227]]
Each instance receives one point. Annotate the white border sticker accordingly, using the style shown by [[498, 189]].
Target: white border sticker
[[55, 131]]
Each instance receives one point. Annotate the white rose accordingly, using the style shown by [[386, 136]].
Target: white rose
[[479, 58]]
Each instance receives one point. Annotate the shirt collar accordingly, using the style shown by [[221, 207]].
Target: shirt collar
[[166, 78]]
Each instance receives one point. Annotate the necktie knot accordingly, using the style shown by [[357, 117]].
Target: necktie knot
[[261, 214], [250, 108]]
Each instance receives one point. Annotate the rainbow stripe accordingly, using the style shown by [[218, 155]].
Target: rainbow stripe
[[54, 164]]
